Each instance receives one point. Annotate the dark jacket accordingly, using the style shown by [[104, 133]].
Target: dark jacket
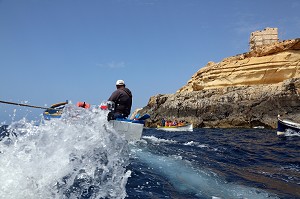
[[122, 98]]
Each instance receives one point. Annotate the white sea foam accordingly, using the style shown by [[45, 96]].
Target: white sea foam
[[197, 144], [156, 140], [197, 181], [290, 133], [76, 155]]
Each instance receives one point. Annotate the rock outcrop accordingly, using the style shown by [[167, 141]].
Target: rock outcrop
[[246, 90]]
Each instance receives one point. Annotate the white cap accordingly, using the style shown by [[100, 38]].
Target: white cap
[[120, 82]]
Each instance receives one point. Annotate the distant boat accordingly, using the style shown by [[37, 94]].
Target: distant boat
[[187, 127], [283, 125], [54, 111]]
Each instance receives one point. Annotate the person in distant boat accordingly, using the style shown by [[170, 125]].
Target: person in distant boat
[[168, 123], [181, 123], [163, 122], [122, 97], [175, 123]]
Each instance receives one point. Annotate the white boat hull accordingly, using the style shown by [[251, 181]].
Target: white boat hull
[[176, 128], [132, 131], [284, 125]]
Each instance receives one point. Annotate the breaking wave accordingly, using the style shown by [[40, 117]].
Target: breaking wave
[[77, 156]]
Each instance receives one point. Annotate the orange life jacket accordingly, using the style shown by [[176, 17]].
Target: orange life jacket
[[83, 105]]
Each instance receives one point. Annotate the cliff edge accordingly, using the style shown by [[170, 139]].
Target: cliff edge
[[269, 64]]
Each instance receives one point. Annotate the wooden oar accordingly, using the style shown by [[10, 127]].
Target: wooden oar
[[18, 104]]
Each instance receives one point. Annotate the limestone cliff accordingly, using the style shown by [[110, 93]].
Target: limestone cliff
[[266, 65], [246, 90]]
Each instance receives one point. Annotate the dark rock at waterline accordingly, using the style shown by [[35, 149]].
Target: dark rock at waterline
[[229, 107]]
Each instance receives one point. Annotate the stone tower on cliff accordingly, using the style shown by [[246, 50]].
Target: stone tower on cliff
[[263, 37]]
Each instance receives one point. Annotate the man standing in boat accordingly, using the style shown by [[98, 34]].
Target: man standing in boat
[[122, 97]]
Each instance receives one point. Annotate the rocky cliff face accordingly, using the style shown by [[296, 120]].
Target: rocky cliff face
[[246, 90]]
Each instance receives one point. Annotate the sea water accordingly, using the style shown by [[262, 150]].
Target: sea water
[[77, 156], [216, 163], [81, 156]]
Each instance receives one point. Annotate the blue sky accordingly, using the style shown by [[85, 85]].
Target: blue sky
[[54, 50]]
